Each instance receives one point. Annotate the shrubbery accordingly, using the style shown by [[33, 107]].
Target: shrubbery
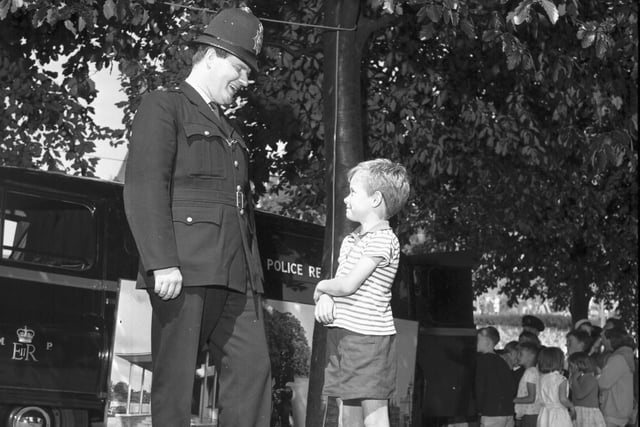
[[558, 321]]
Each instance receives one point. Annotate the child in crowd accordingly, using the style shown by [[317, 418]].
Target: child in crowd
[[584, 390], [527, 406], [356, 304], [495, 386], [556, 407], [510, 354], [527, 336], [577, 341]]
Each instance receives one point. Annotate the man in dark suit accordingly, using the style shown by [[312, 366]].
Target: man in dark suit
[[188, 202]]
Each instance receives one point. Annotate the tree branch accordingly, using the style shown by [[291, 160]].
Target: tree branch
[[367, 26], [295, 52]]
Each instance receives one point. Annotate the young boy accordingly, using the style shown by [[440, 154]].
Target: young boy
[[526, 405], [356, 304], [495, 386]]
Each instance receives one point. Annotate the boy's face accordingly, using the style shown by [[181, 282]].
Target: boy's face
[[574, 345], [358, 202], [512, 357], [525, 358], [484, 344]]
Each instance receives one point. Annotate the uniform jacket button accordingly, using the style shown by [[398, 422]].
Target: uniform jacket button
[[189, 219], [206, 133], [235, 163], [239, 188]]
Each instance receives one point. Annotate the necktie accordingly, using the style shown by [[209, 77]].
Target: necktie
[[224, 124]]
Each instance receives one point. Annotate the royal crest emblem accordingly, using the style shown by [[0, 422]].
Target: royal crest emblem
[[25, 335]]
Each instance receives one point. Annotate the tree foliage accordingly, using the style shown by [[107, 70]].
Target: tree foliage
[[523, 139], [517, 119], [289, 349], [119, 392]]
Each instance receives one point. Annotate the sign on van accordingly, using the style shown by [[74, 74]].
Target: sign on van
[[294, 268]]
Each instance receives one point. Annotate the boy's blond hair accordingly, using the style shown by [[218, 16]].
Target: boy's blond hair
[[389, 178]]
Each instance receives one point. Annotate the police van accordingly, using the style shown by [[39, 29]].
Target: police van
[[70, 314]]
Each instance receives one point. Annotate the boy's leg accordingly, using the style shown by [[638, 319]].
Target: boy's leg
[[375, 412], [496, 421], [529, 421], [352, 414]]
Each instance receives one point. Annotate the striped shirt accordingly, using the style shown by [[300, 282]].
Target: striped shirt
[[368, 310]]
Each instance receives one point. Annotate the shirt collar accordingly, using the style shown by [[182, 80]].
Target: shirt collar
[[200, 91], [382, 225]]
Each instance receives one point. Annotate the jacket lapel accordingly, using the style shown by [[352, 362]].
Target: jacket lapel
[[221, 122], [194, 97]]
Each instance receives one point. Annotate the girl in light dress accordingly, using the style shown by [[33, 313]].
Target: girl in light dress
[[556, 407], [584, 391]]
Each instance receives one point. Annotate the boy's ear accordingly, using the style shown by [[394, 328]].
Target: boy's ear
[[377, 199]]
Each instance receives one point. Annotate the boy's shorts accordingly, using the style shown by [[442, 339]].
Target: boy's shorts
[[359, 366]]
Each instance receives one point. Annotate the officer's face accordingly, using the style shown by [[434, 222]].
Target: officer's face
[[226, 77]]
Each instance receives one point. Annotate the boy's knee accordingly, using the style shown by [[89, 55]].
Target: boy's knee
[[376, 413]]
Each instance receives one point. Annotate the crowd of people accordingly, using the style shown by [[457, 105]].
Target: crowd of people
[[527, 384]]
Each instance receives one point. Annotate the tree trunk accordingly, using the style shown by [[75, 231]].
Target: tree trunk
[[343, 149], [580, 296]]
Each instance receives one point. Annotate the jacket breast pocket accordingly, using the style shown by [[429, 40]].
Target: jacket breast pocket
[[205, 156]]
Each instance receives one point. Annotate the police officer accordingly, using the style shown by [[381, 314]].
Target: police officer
[[532, 324], [188, 204]]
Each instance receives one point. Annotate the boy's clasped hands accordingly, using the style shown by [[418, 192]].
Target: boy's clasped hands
[[325, 308]]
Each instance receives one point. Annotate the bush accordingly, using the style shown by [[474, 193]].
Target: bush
[[557, 321], [509, 326]]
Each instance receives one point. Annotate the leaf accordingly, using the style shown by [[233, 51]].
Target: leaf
[[434, 13], [5, 5], [520, 13], [109, 9], [69, 26], [513, 60], [468, 29], [52, 16], [588, 38], [562, 9], [603, 43], [551, 10], [16, 4], [489, 35], [427, 32]]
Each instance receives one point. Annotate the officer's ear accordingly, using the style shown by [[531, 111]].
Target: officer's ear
[[210, 56]]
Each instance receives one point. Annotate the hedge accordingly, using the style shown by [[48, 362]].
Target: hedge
[[558, 321]]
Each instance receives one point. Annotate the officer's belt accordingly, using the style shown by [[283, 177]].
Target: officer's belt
[[207, 197]]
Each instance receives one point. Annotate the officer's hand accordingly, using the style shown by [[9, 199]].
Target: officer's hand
[[324, 312], [168, 282]]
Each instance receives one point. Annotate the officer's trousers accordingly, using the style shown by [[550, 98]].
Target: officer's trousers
[[232, 324]]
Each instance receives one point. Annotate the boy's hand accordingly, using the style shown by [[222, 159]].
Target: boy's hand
[[317, 293], [324, 309]]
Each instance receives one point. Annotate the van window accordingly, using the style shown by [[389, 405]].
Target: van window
[[40, 230]]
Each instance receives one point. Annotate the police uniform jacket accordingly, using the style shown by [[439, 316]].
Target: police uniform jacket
[[187, 195]]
